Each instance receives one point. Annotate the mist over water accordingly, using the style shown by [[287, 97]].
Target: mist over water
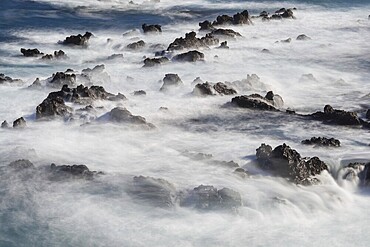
[[331, 68]]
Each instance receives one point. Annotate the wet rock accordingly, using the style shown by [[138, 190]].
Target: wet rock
[[223, 45], [139, 93], [170, 81], [368, 114], [303, 37], [151, 28], [21, 164], [136, 45], [288, 163], [206, 25], [206, 197], [213, 89], [115, 56], [7, 79], [255, 101], [322, 141], [5, 124], [47, 57], [63, 172], [242, 18], [155, 191], [191, 56], [288, 14], [288, 40], [60, 78], [60, 54], [52, 107], [264, 14], [265, 51], [78, 40], [20, 123], [191, 41], [31, 52], [124, 116], [226, 32], [151, 62], [223, 20], [338, 117]]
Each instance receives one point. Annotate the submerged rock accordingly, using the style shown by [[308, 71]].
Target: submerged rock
[[191, 56], [288, 163], [151, 62], [226, 32], [170, 81], [21, 164], [5, 125], [78, 40], [322, 141], [31, 52], [151, 28], [206, 197], [339, 117], [140, 93], [156, 191], [136, 45]]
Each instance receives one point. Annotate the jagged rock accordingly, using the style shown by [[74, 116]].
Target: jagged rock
[[151, 62], [63, 172], [368, 114], [47, 57], [322, 141], [206, 197], [339, 117], [191, 41], [122, 115], [213, 89], [303, 37], [358, 172], [5, 124], [256, 101], [191, 56], [20, 123], [288, 14], [136, 45], [223, 20], [156, 191], [139, 93], [151, 28], [206, 25], [288, 163], [7, 79], [60, 54], [21, 164], [51, 107], [288, 40], [31, 52], [226, 32], [170, 80], [223, 45], [59, 79], [264, 14], [79, 40], [242, 18]]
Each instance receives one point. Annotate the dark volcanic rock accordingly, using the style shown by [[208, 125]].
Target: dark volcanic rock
[[206, 197], [170, 80], [31, 52], [136, 45], [156, 191], [51, 107], [255, 101], [288, 163], [79, 40], [7, 79], [226, 32], [5, 124], [191, 41], [57, 55], [122, 115], [322, 141], [213, 89], [368, 114], [339, 117], [71, 172], [21, 164], [151, 28], [303, 37], [139, 93], [242, 18], [223, 45], [151, 62], [190, 56], [60, 78], [206, 25], [20, 123]]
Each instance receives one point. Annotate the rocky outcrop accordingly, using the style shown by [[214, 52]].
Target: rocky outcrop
[[7, 79], [322, 141], [63, 172], [152, 62], [121, 115], [5, 125], [151, 28], [191, 41], [170, 81], [255, 101], [204, 89], [224, 45], [139, 93], [338, 117], [57, 55], [20, 123], [21, 164], [190, 56], [288, 163], [31, 52], [136, 45], [222, 20], [226, 32], [303, 37], [206, 197], [60, 78], [77, 40], [155, 191], [52, 107]]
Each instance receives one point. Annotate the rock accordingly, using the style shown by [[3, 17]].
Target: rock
[[136, 45], [21, 164], [151, 28], [206, 197], [78, 40], [155, 191], [191, 41], [7, 79], [59, 79], [205, 25], [308, 78], [47, 57], [368, 114], [322, 141], [338, 117], [63, 172], [60, 54], [288, 163], [288, 14], [202, 89], [288, 40], [303, 37], [20, 123], [226, 32], [265, 51], [31, 52], [115, 56], [223, 45], [5, 125], [256, 101], [51, 107], [151, 62], [171, 80], [94, 75], [264, 14], [139, 93], [191, 56], [213, 89], [122, 115]]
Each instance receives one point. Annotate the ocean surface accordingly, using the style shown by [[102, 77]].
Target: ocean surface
[[333, 67]]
